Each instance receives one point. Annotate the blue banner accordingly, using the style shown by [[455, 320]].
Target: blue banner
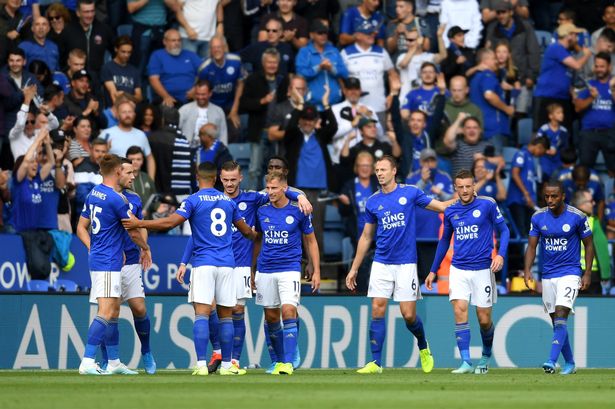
[[49, 331]]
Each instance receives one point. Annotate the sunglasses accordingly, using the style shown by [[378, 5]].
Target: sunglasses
[[274, 167], [501, 12], [272, 30], [52, 18], [320, 33], [410, 40], [31, 121]]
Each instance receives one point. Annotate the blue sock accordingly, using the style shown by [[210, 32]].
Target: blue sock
[[103, 352], [239, 325], [567, 350], [214, 326], [377, 332], [277, 339], [200, 333], [142, 326], [462, 334], [417, 330], [96, 334], [112, 340], [290, 339], [270, 348], [226, 338], [487, 336], [560, 332]]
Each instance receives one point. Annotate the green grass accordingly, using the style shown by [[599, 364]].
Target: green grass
[[395, 388]]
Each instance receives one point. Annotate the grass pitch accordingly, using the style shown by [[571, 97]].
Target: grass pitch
[[395, 388]]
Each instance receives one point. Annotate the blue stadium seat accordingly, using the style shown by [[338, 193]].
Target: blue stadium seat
[[445, 165], [347, 251], [39, 286], [434, 289], [332, 244], [544, 39], [508, 152], [64, 285], [524, 131], [240, 153], [501, 289], [124, 30], [333, 220]]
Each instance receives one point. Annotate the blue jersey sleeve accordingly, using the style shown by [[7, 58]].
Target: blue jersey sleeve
[[443, 245], [502, 228], [306, 225], [583, 227], [346, 26], [610, 211], [185, 209], [120, 207], [369, 216], [188, 251], [257, 222], [489, 83], [560, 53], [235, 213], [583, 94], [518, 160], [534, 228], [421, 199], [85, 212]]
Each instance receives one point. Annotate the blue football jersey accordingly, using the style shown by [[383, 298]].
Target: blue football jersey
[[472, 226], [106, 208], [247, 202], [211, 215], [131, 250], [282, 230], [560, 240], [394, 215]]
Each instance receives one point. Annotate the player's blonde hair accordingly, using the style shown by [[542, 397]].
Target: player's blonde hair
[[276, 174]]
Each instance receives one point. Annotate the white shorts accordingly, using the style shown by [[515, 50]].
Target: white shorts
[[105, 284], [477, 286], [560, 291], [209, 282], [242, 282], [398, 280], [131, 282], [276, 289]]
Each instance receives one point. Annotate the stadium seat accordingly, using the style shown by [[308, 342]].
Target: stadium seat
[[240, 153], [544, 39], [64, 285], [600, 165], [39, 286], [445, 165], [524, 131], [347, 251], [508, 153], [434, 289], [333, 220], [332, 244], [124, 30], [501, 289]]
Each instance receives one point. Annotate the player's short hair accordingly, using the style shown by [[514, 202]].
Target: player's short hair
[[608, 34], [122, 40], [581, 173], [230, 166], [109, 163], [363, 155], [203, 83], [471, 118], [389, 159], [464, 174], [423, 113], [554, 183], [541, 140], [126, 161], [77, 53], [96, 141], [276, 174], [603, 56], [281, 159], [16, 51], [125, 99], [428, 64], [579, 197], [568, 14], [271, 52], [568, 155], [207, 170], [482, 53], [553, 106]]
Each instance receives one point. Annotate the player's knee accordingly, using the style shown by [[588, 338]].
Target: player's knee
[[239, 309], [272, 315], [289, 312], [138, 310], [409, 316], [378, 308]]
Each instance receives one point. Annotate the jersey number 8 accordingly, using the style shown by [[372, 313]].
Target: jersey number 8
[[218, 222]]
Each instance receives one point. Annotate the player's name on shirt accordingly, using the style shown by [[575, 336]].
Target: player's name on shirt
[[212, 198], [98, 194]]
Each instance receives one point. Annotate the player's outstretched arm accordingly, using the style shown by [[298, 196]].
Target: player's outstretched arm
[[498, 261], [314, 254], [82, 231], [588, 242], [365, 242], [244, 229], [438, 206], [166, 223], [443, 246], [530, 255], [146, 255], [255, 252], [139, 240]]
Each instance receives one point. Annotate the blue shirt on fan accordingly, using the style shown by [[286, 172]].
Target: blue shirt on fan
[[131, 250], [601, 113], [558, 139], [27, 202], [555, 78], [352, 18], [282, 230], [211, 215], [223, 79], [394, 214], [106, 208], [496, 121], [48, 214], [560, 240], [429, 226], [472, 226], [523, 160]]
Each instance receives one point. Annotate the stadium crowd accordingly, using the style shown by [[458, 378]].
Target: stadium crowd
[[519, 92]]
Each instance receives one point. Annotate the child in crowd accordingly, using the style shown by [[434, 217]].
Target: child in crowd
[[558, 136]]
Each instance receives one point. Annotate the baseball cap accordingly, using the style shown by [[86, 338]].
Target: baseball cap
[[428, 153], [317, 26], [57, 135], [309, 112], [364, 121], [366, 27], [567, 28], [352, 83], [456, 30], [80, 74], [502, 5]]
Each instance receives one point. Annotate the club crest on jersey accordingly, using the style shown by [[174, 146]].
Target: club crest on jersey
[[230, 70], [242, 206], [290, 219], [566, 227], [476, 213], [402, 201]]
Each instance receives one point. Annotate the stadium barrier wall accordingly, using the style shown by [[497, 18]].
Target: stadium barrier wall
[[49, 331]]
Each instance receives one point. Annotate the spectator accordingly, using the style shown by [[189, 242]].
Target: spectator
[[40, 48], [87, 174], [147, 118], [90, 35], [199, 22], [11, 27], [522, 193], [80, 147], [234, 22], [163, 206], [489, 180], [143, 184], [568, 16], [363, 15], [294, 27], [59, 18], [520, 35], [75, 62], [569, 158], [583, 178], [558, 138], [459, 101], [60, 148], [258, 101], [416, 139], [308, 156], [470, 147], [348, 113], [553, 84], [54, 101], [322, 9], [119, 76], [369, 63], [172, 70], [172, 153], [81, 102], [465, 14], [507, 74], [397, 42], [52, 185], [410, 62], [41, 73], [30, 8], [321, 64], [487, 94], [211, 149], [282, 110], [597, 107], [251, 55], [5, 196], [601, 267], [224, 72], [369, 142], [423, 97], [124, 136], [489, 9], [608, 16], [604, 44], [459, 58], [199, 112]]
